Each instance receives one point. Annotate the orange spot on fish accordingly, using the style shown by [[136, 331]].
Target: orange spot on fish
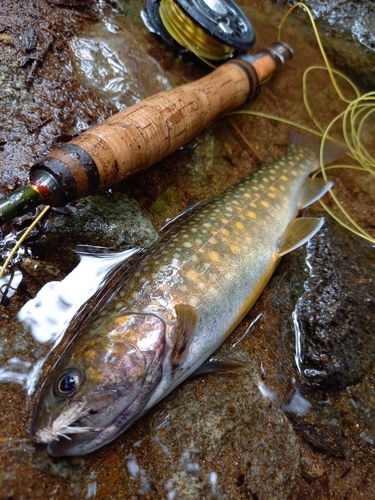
[[214, 256], [192, 275]]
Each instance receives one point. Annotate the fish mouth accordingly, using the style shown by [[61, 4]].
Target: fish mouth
[[79, 422], [66, 424]]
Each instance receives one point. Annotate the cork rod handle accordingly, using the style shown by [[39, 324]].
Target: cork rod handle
[[152, 129]]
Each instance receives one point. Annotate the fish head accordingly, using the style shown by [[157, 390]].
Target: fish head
[[102, 384]]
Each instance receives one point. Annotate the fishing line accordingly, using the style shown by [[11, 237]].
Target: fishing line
[[213, 30], [192, 37], [22, 239], [353, 118], [360, 231], [358, 111], [205, 46], [318, 39]]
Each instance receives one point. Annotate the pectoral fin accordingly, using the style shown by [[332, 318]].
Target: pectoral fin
[[313, 190], [187, 320], [220, 366], [297, 233]]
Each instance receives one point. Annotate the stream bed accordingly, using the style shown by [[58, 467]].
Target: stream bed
[[300, 422]]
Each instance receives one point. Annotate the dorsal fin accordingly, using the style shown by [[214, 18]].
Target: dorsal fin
[[297, 233]]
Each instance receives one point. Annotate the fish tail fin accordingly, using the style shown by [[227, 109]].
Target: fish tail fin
[[333, 150]]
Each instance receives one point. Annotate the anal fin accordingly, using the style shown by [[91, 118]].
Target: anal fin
[[313, 190], [298, 232]]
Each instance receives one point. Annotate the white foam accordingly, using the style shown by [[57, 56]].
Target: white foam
[[49, 313]]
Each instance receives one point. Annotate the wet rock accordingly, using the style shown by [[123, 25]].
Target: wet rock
[[311, 467], [41, 100], [335, 315], [319, 322], [347, 29], [118, 69], [67, 470], [213, 437], [355, 17], [114, 221], [326, 439]]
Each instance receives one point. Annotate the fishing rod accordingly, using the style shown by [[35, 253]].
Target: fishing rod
[[142, 134]]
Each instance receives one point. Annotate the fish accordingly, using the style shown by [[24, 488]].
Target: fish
[[178, 303]]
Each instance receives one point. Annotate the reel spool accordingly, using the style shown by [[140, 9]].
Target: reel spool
[[211, 29]]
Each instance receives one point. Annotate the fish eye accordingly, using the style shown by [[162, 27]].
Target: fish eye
[[68, 383]]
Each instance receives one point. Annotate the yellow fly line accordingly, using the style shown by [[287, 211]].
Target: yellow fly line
[[354, 120], [22, 239], [189, 35]]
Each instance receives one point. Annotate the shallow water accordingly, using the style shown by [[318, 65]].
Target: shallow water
[[301, 421]]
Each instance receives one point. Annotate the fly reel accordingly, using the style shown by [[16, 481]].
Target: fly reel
[[211, 29]]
